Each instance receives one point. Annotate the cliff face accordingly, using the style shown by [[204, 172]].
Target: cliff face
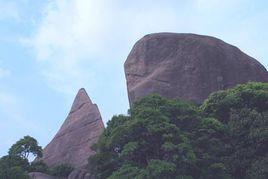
[[187, 66], [83, 126]]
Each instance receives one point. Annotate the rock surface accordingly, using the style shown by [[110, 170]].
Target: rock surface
[[187, 66], [79, 174], [39, 175], [75, 174], [83, 126]]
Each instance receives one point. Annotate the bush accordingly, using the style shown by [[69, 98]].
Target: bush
[[39, 166]]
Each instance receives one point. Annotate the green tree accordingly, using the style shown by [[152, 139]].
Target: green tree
[[226, 137], [248, 140], [251, 95], [243, 112], [62, 170], [16, 165], [155, 141], [26, 146], [38, 166], [13, 167]]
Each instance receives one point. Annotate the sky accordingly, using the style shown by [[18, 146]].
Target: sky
[[50, 49]]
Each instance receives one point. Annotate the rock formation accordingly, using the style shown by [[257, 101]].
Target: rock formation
[[75, 174], [79, 174], [38, 175], [187, 66], [83, 126]]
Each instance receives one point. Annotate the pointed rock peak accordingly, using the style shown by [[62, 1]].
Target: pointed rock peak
[[80, 130], [80, 99]]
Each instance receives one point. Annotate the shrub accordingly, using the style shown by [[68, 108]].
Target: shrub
[[62, 170]]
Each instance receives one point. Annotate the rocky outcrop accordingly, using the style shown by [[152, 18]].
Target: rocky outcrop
[[79, 174], [38, 175], [187, 66], [83, 126], [75, 174]]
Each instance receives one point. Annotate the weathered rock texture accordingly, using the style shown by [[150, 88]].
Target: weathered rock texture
[[187, 66], [79, 174], [75, 174], [81, 129], [38, 175]]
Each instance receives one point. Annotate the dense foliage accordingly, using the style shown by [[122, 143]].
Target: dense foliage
[[24, 147], [16, 164], [62, 170], [13, 167], [244, 113], [226, 137]]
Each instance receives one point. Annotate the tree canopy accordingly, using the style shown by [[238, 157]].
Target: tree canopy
[[226, 137], [26, 146], [16, 164]]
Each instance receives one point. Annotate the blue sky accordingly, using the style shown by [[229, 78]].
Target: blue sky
[[51, 48]]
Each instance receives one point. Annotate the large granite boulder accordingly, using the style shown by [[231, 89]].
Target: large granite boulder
[[187, 66], [82, 128]]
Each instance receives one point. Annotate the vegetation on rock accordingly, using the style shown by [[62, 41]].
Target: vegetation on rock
[[62, 170], [226, 137]]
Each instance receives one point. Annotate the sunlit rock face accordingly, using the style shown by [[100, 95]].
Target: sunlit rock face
[[187, 66], [82, 128]]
